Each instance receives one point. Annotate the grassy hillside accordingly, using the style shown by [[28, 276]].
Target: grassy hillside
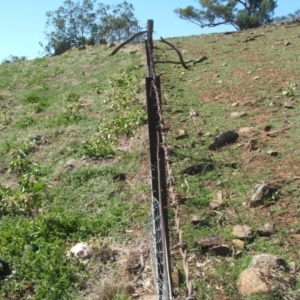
[[75, 164]]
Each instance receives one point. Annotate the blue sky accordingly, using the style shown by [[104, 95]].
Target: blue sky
[[22, 22]]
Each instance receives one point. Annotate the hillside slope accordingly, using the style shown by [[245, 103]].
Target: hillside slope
[[75, 166]]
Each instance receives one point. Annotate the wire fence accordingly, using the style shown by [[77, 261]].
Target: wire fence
[[161, 188]]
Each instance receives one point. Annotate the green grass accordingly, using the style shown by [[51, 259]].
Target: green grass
[[70, 123], [54, 109]]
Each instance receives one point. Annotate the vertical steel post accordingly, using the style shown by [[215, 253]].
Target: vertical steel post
[[158, 173]]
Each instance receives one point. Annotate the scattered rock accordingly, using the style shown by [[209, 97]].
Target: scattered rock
[[288, 105], [267, 261], [70, 164], [195, 220], [218, 201], [260, 277], [252, 145], [208, 241], [224, 138], [193, 113], [222, 250], [262, 192], [245, 129], [199, 168], [182, 135], [209, 134], [238, 243], [272, 153], [242, 231], [251, 281], [266, 230], [238, 114], [119, 177], [267, 128], [81, 250], [292, 267], [273, 133]]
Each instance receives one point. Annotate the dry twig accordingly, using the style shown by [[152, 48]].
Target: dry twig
[[126, 42]]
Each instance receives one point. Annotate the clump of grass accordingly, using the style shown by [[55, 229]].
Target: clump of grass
[[37, 103], [5, 118], [126, 114], [72, 107], [27, 121]]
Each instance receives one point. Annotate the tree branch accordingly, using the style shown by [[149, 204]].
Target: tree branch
[[193, 61], [244, 3], [126, 42], [177, 51]]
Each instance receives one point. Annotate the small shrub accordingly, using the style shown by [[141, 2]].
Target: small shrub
[[31, 98], [289, 92], [37, 103], [40, 61], [25, 122], [98, 148], [72, 107], [5, 118], [13, 59]]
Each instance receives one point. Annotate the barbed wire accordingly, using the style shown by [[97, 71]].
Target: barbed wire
[[181, 245]]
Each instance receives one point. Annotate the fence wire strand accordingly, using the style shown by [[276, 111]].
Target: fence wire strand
[[162, 251]]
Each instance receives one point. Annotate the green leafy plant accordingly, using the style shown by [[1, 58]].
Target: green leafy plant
[[289, 92], [72, 107], [127, 110], [25, 122], [40, 61], [5, 118], [38, 103], [126, 114], [98, 148]]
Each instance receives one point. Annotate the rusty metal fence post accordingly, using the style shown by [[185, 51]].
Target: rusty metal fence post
[[160, 231]]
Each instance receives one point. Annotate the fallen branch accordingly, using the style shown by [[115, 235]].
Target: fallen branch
[[193, 61], [126, 42], [177, 51]]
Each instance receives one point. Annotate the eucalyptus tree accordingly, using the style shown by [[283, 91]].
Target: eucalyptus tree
[[88, 21], [117, 22], [241, 14]]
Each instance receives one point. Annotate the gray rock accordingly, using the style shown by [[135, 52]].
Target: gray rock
[[256, 278], [288, 105], [199, 168], [262, 192], [70, 164], [208, 241], [266, 230], [251, 281], [242, 232], [224, 138], [221, 250], [238, 114], [267, 261], [195, 220]]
